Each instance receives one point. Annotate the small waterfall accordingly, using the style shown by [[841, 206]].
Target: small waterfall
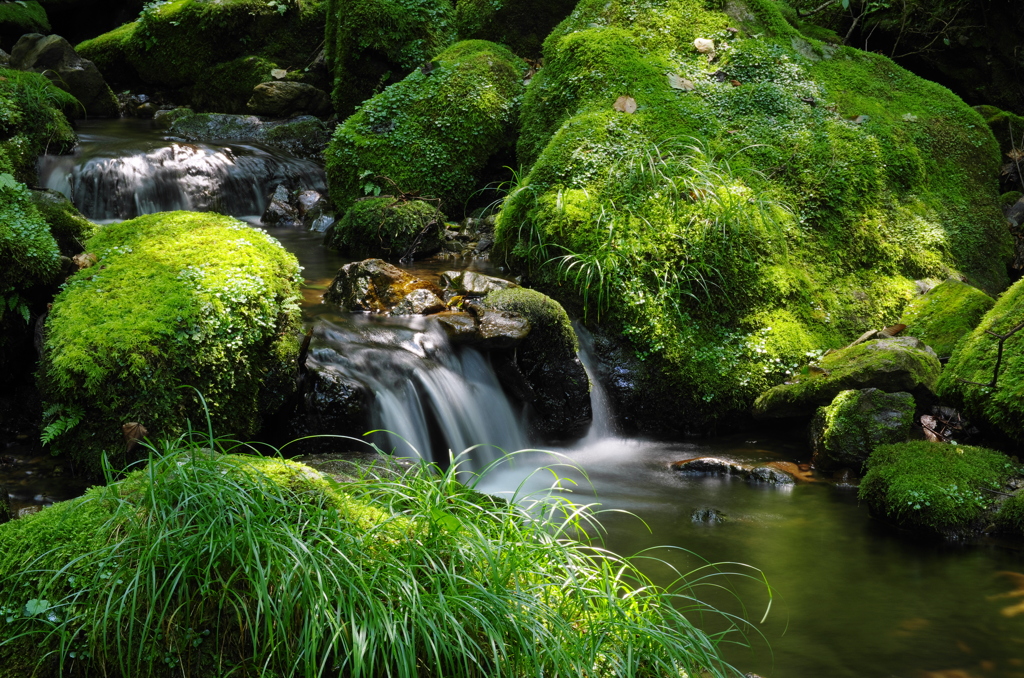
[[428, 396], [148, 175], [602, 425]]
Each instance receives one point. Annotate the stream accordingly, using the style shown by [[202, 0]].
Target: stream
[[850, 598]]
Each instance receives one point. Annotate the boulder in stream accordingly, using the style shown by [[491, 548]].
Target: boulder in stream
[[387, 226], [845, 432], [331, 404], [373, 285], [284, 98], [54, 57], [303, 136]]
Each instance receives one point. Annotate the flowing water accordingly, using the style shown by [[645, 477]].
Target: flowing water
[[849, 597]]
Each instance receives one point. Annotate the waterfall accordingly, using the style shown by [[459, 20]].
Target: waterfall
[[602, 424]]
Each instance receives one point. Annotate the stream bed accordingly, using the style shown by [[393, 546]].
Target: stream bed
[[850, 598]]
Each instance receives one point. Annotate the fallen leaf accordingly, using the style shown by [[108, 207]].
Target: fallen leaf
[[278, 73], [679, 82], [84, 260], [931, 425], [735, 83], [625, 104], [861, 119], [705, 46], [133, 432]]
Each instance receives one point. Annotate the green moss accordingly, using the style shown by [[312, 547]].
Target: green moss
[[520, 25], [1007, 127], [110, 54], [18, 18], [551, 338], [945, 314], [33, 121], [67, 225], [845, 432], [431, 133], [177, 299], [1000, 408], [388, 228], [373, 43], [225, 88], [1011, 514], [934, 487], [733, 225]]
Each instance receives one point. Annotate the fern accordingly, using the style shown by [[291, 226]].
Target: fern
[[64, 418]]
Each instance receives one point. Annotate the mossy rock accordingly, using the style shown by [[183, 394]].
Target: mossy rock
[[389, 228], [180, 304], [520, 25], [34, 119], [226, 87], [19, 18], [999, 409], [936, 488], [374, 43], [67, 225], [1007, 127], [890, 365], [946, 313], [545, 370], [844, 433], [431, 133], [702, 225], [303, 136]]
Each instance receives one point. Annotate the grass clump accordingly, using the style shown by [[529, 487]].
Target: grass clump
[[176, 299], [224, 564], [33, 121], [935, 488]]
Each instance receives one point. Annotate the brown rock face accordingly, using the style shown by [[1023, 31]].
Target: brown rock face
[[373, 285]]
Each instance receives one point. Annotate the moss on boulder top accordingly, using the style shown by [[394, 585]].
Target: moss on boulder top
[[890, 365], [936, 488], [844, 433], [178, 299], [19, 18], [431, 133], [388, 227], [945, 314], [733, 209], [999, 409]]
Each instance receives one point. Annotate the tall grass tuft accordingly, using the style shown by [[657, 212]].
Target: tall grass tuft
[[235, 565]]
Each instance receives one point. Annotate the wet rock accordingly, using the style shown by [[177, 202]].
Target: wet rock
[[331, 404], [470, 283], [282, 99], [419, 302], [458, 325], [769, 475], [373, 285], [54, 57], [501, 329], [707, 516], [890, 365], [304, 136], [844, 433], [710, 466], [165, 118], [306, 201], [279, 210]]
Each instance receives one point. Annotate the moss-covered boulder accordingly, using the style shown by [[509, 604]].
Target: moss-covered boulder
[[67, 225], [732, 211], [180, 304], [889, 365], [33, 121], [212, 51], [844, 433], [999, 408], [936, 488], [543, 370], [388, 227], [18, 18], [373, 43], [944, 314], [520, 25], [433, 132], [1007, 127]]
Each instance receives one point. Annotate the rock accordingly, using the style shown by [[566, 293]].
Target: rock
[[419, 302], [308, 200], [283, 99], [373, 285], [710, 466], [844, 433], [470, 283], [388, 227], [890, 365], [304, 136], [459, 326], [20, 18], [707, 516], [553, 381], [945, 314], [67, 225], [28, 511], [280, 213], [165, 118], [500, 329], [770, 475], [54, 57], [331, 404]]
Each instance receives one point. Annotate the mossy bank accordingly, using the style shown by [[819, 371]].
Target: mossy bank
[[176, 300], [735, 209]]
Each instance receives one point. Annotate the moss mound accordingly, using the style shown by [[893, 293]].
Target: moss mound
[[844, 433], [748, 211], [33, 121], [935, 488], [67, 225], [520, 25], [208, 563], [945, 314], [1007, 127], [177, 299], [389, 228], [431, 133], [373, 43], [974, 360], [18, 18], [194, 46]]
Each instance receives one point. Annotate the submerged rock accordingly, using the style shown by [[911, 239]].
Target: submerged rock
[[845, 432], [707, 516]]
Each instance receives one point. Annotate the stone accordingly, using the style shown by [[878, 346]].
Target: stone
[[710, 466], [54, 57], [331, 404], [471, 283], [283, 99], [946, 313], [458, 325], [501, 329], [890, 365], [419, 302], [28, 511], [707, 516], [844, 433], [308, 200], [705, 46], [373, 285], [280, 213], [769, 475], [304, 136]]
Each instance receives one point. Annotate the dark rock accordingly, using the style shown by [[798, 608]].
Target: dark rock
[[54, 57], [419, 302], [459, 326], [332, 404], [282, 99], [373, 285], [707, 516], [710, 466], [469, 283], [280, 214], [163, 119], [844, 433], [304, 136], [770, 475], [307, 201]]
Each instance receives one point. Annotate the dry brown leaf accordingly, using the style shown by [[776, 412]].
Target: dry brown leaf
[[625, 104], [679, 82], [735, 83]]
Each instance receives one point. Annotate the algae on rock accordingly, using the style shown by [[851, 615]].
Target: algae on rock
[[756, 208], [178, 300]]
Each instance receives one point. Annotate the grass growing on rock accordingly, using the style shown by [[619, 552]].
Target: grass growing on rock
[[209, 564]]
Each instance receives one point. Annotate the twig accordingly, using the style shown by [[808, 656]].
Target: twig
[[1005, 494], [801, 13], [999, 355]]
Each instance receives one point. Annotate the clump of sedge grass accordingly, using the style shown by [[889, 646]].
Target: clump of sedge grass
[[223, 564]]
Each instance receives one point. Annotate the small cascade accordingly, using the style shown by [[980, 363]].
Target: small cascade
[[429, 397], [149, 174], [602, 425]]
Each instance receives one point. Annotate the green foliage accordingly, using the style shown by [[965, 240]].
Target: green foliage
[[33, 121], [431, 133], [206, 563], [935, 487], [520, 25], [59, 419], [387, 227], [816, 184], [67, 225], [945, 314], [177, 298]]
